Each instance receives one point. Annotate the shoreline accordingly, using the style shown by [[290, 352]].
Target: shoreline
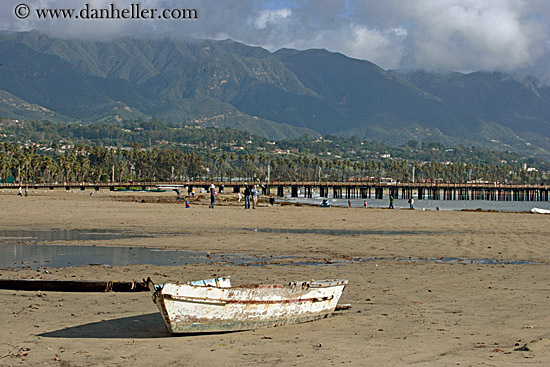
[[168, 196]]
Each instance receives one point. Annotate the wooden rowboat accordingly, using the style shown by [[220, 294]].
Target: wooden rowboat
[[214, 306]]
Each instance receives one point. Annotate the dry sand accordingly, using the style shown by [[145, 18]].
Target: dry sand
[[403, 313]]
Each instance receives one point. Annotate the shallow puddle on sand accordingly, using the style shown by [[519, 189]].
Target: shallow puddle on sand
[[342, 232], [34, 256], [39, 235], [28, 251]]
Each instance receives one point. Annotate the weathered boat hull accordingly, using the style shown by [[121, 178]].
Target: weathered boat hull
[[188, 308]]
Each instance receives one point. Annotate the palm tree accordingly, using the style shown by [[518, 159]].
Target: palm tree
[[25, 161], [49, 168], [83, 163], [4, 163]]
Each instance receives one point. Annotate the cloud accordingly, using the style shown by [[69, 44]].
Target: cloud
[[383, 47], [268, 17], [475, 34], [432, 34]]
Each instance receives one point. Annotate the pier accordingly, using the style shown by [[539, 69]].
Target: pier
[[338, 190], [423, 191]]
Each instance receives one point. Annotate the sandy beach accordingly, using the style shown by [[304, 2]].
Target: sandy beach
[[404, 313]]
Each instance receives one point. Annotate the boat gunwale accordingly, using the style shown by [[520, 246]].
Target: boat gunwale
[[327, 283]]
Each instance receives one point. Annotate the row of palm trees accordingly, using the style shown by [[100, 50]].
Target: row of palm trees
[[304, 168], [101, 164]]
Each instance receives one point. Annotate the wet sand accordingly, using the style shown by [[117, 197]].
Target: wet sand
[[403, 312]]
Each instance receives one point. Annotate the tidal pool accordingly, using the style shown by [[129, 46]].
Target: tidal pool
[[342, 232], [26, 249], [34, 256], [46, 235]]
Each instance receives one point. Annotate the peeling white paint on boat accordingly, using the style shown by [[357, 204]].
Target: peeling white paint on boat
[[215, 306]]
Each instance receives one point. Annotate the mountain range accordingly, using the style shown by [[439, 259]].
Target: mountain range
[[282, 94]]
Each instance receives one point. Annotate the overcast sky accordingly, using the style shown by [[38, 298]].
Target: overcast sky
[[466, 35]]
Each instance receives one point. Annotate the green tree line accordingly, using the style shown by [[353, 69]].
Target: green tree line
[[194, 139], [87, 163]]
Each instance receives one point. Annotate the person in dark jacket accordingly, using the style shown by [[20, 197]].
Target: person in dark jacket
[[247, 197]]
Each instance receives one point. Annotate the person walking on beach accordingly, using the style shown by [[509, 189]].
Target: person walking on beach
[[391, 201], [411, 203], [255, 195], [239, 198], [349, 203], [247, 197], [213, 195], [365, 204], [20, 191]]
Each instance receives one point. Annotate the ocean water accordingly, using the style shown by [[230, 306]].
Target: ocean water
[[504, 206]]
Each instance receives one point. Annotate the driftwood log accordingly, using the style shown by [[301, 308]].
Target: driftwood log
[[71, 285]]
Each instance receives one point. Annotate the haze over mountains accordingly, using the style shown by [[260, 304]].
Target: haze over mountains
[[282, 94]]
